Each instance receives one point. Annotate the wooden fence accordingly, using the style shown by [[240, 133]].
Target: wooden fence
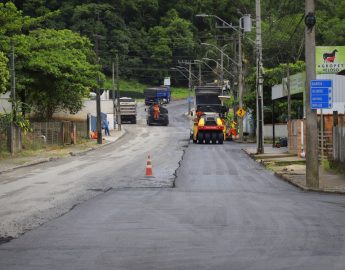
[[339, 144]]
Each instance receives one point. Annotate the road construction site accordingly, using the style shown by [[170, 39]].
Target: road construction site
[[207, 206]]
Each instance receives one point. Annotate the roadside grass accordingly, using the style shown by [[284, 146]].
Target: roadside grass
[[126, 85], [178, 93], [48, 151]]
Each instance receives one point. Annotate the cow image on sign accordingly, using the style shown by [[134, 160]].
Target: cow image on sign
[[241, 112]]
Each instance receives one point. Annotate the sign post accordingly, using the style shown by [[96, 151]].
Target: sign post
[[321, 94], [321, 97]]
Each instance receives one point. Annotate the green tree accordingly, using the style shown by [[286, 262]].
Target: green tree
[[4, 73], [56, 70]]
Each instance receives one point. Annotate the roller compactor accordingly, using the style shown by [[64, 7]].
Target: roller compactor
[[208, 124]]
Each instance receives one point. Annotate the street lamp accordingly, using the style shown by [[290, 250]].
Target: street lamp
[[191, 73], [179, 72], [189, 80], [245, 25], [210, 59]]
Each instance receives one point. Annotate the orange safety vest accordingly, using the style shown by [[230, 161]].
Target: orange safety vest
[[156, 111]]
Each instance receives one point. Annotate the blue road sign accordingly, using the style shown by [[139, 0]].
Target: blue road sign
[[321, 94]]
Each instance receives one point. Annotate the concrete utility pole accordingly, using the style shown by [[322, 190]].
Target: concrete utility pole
[[312, 163], [200, 79], [240, 81], [260, 80], [113, 91], [118, 93], [288, 91], [11, 135], [222, 69], [189, 63], [98, 98], [189, 86], [13, 82]]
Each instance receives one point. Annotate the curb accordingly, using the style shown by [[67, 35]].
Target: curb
[[31, 163], [288, 180], [79, 153], [99, 147]]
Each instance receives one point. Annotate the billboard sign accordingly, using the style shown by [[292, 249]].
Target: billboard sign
[[330, 59]]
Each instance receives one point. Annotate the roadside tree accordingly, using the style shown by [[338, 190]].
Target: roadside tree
[[56, 70]]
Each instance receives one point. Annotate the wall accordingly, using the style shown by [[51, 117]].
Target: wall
[[5, 106], [280, 131], [89, 107]]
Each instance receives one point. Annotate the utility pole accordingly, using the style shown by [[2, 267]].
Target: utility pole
[[259, 92], [312, 163], [221, 69], [240, 81], [13, 82], [12, 128], [200, 79], [113, 91], [189, 86], [288, 91], [118, 93], [189, 63], [98, 98]]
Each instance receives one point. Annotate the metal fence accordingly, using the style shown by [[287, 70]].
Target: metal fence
[[57, 133]]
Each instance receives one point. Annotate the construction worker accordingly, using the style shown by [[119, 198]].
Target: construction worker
[[198, 113], [156, 111], [232, 133]]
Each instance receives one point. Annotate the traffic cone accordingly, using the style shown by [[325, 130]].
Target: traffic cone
[[149, 167]]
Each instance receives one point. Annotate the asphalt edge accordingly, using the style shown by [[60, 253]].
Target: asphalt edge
[[288, 180], [78, 153]]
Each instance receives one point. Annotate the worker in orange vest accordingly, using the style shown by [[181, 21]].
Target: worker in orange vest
[[232, 133], [156, 111], [198, 113]]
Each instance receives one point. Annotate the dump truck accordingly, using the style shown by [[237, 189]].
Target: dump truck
[[128, 107], [208, 123], [160, 94], [159, 117]]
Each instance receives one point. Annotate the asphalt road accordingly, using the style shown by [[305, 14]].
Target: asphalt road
[[225, 212], [32, 196]]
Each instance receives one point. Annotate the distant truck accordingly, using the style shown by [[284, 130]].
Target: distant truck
[[128, 107], [160, 94]]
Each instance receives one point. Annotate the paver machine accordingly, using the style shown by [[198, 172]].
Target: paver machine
[[208, 124], [157, 115]]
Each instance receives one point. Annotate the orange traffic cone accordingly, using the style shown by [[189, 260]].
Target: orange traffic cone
[[149, 167]]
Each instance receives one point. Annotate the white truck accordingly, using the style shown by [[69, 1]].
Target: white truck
[[128, 107]]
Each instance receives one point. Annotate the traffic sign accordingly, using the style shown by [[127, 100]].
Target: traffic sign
[[241, 112], [321, 94]]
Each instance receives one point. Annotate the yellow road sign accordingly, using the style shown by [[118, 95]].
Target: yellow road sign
[[241, 112]]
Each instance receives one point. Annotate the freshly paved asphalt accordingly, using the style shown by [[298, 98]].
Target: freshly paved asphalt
[[225, 212]]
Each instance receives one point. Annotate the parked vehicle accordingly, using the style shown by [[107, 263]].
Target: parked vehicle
[[160, 94], [128, 107]]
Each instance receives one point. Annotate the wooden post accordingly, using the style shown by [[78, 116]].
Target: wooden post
[[62, 134]]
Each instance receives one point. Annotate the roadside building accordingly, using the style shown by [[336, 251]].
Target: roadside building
[[330, 117]]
